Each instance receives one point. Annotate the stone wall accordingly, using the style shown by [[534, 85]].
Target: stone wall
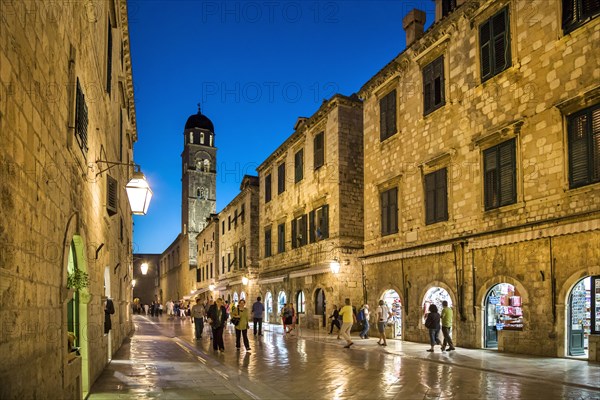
[[54, 194]]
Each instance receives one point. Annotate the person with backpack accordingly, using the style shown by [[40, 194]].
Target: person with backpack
[[363, 317]]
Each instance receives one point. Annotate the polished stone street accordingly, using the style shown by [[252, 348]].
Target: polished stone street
[[162, 360]]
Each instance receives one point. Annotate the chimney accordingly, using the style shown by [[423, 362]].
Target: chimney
[[413, 24]]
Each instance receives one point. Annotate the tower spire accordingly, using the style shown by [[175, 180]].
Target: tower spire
[[199, 108]]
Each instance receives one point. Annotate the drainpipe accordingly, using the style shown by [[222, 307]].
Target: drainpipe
[[404, 286], [474, 284], [364, 282], [553, 280]]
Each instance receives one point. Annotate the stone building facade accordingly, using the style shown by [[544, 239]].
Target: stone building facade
[[147, 286], [237, 253], [67, 120], [482, 170], [208, 258], [310, 214]]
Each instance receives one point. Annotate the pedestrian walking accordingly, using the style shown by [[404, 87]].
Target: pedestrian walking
[[446, 317], [348, 319], [383, 314], [258, 309], [217, 318], [284, 318], [335, 320], [432, 322], [291, 317], [242, 316], [363, 315], [198, 314]]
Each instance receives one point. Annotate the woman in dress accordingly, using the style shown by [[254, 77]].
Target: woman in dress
[[433, 324]]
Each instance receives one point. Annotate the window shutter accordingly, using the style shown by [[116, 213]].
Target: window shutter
[[441, 195], [268, 188], [382, 118], [294, 234], [595, 144], [429, 199], [507, 173], [501, 41], [324, 223], [490, 183], [485, 49], [384, 213], [438, 88], [299, 166], [427, 88], [589, 8], [303, 230], [319, 151], [393, 208], [112, 191], [391, 113], [311, 226], [578, 150], [109, 63], [569, 16]]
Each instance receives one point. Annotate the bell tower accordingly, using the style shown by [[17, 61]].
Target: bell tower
[[198, 179]]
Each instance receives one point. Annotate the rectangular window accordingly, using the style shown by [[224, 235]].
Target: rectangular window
[[280, 238], [389, 212], [222, 227], [299, 231], [120, 135], [268, 252], [576, 13], [198, 277], [223, 264], [211, 270], [242, 257], [436, 197], [319, 223], [500, 175], [281, 178], [433, 85], [228, 262], [81, 119], [448, 6], [387, 115], [584, 147], [235, 218], [268, 188], [235, 261], [243, 213], [228, 222], [109, 51], [299, 166], [319, 150], [494, 45]]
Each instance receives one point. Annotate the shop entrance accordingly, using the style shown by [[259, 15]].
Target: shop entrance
[[320, 306], [268, 306], [392, 301], [584, 314], [281, 302], [502, 312]]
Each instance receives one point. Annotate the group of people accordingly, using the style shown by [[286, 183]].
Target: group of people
[[216, 313], [343, 319], [154, 309]]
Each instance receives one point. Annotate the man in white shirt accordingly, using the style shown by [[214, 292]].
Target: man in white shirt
[[383, 314]]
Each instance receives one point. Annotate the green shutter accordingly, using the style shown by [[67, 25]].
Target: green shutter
[[578, 150], [485, 49], [508, 192]]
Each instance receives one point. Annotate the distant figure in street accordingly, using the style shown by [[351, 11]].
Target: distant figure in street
[[217, 318], [198, 314], [348, 319], [170, 306], [146, 308], [241, 329], [335, 320], [292, 313], [383, 314], [433, 324], [446, 317], [365, 321], [258, 309]]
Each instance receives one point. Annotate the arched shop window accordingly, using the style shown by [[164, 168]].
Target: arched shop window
[[584, 315], [281, 300], [300, 303], [435, 295], [243, 296], [503, 311], [235, 299], [268, 305], [73, 320], [392, 301]]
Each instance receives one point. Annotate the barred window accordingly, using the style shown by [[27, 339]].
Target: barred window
[[81, 119]]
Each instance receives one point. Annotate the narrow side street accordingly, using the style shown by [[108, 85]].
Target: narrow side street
[[162, 360]]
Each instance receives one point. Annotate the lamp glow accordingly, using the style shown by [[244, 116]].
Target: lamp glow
[[244, 280], [133, 282], [211, 287], [144, 268], [335, 266], [139, 194]]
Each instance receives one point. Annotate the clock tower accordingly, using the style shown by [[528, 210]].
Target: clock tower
[[199, 178]]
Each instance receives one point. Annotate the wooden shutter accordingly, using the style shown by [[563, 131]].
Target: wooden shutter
[[595, 145], [507, 173], [324, 223], [299, 166], [384, 213], [589, 8], [267, 188], [438, 82], [393, 210], [294, 234], [112, 191], [569, 17], [501, 41], [490, 161], [441, 195], [428, 88], [311, 226], [485, 49], [281, 178], [319, 152], [578, 150], [303, 230], [391, 113], [109, 51], [382, 118], [429, 199]]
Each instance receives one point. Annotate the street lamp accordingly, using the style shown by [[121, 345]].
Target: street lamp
[[335, 266], [244, 280], [211, 287], [144, 268], [138, 190]]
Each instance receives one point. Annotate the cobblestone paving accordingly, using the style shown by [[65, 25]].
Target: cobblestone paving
[[162, 360]]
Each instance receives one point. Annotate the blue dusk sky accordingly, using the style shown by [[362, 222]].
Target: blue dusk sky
[[255, 67]]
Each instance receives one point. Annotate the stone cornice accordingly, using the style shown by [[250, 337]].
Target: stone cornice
[[128, 67]]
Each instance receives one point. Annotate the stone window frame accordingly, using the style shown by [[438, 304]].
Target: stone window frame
[[299, 225]]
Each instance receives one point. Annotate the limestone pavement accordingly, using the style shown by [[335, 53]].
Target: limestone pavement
[[163, 360]]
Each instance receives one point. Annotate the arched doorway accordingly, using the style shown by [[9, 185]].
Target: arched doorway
[[243, 296], [503, 311], [392, 300], [281, 302], [320, 306], [235, 299], [583, 315], [268, 306]]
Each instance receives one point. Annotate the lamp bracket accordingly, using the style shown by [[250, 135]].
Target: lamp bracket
[[136, 167]]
